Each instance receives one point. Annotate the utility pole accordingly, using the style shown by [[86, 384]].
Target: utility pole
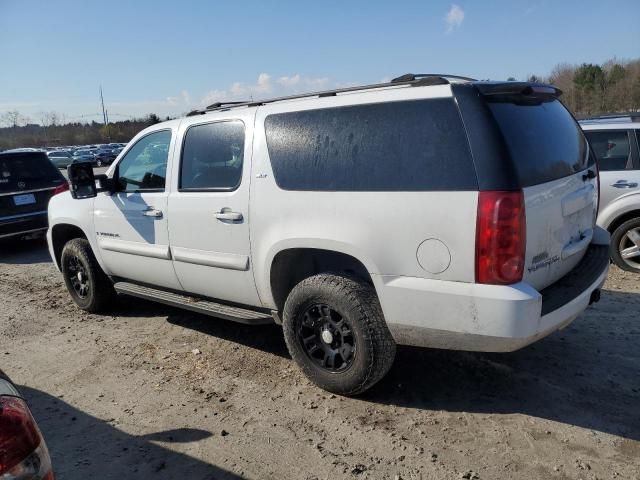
[[104, 112]]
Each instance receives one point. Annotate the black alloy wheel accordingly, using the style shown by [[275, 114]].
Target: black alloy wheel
[[78, 276], [327, 338]]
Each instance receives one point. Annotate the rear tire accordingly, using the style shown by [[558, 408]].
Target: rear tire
[[335, 331], [627, 238], [88, 285]]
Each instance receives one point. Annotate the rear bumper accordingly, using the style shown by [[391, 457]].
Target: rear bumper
[[489, 318], [26, 224]]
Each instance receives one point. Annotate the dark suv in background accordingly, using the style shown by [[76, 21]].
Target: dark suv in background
[[27, 181]]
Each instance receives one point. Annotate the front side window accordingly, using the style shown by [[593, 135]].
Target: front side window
[[144, 166], [212, 157], [611, 148]]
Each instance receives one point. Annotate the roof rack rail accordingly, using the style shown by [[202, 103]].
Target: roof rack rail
[[222, 104], [628, 116], [411, 77], [215, 106], [417, 80]]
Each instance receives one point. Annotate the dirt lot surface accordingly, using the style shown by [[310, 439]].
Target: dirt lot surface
[[125, 396]]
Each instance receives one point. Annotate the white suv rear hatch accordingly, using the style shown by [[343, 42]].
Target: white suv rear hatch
[[558, 178]]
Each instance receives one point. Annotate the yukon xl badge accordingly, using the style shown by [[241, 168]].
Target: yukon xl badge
[[542, 260]]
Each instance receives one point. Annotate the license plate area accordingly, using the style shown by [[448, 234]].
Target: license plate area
[[25, 199]]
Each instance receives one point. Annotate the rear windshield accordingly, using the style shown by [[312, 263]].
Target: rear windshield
[[415, 145], [24, 172], [543, 139]]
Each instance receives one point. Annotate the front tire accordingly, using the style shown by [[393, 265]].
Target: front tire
[[625, 245], [88, 285], [335, 331]]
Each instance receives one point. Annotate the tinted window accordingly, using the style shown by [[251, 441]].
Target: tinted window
[[24, 171], [544, 141], [212, 156], [611, 148], [144, 166], [397, 146]]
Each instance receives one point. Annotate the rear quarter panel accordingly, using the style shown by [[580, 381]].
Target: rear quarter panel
[[381, 229]]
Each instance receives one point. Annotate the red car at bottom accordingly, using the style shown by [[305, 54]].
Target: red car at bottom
[[23, 452]]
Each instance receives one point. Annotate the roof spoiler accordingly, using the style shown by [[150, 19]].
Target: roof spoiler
[[533, 91]]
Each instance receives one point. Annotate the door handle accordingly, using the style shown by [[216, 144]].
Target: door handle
[[226, 214], [625, 184], [152, 212]]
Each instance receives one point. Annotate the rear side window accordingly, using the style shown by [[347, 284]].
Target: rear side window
[[212, 156], [611, 148], [544, 141], [397, 146], [22, 172]]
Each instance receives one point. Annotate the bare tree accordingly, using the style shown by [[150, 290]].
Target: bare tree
[[50, 119], [13, 119]]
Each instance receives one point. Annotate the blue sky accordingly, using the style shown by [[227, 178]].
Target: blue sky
[[167, 57]]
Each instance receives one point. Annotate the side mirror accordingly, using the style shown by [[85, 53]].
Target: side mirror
[[105, 184], [82, 180]]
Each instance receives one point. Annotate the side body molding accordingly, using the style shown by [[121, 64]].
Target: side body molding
[[135, 248], [230, 261]]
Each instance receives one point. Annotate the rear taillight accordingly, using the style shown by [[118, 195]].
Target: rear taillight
[[23, 453], [500, 237], [61, 188]]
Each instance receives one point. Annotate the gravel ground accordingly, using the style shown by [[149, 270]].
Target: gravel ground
[[125, 396]]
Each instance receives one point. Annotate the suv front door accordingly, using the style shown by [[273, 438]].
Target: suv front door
[[131, 224], [209, 205], [617, 155]]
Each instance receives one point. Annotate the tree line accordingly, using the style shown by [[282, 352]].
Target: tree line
[[19, 132], [589, 89]]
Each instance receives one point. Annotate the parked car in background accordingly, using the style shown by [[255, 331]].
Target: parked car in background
[[116, 148], [23, 451], [104, 156], [615, 140], [84, 155], [433, 211], [26, 149], [61, 158], [27, 181]]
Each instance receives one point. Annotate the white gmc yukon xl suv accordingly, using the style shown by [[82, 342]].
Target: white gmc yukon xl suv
[[432, 210]]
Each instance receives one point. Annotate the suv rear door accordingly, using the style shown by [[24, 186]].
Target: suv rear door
[[209, 205]]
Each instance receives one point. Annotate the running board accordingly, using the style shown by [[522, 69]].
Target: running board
[[206, 307]]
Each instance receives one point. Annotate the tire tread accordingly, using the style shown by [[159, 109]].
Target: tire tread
[[365, 301], [103, 291]]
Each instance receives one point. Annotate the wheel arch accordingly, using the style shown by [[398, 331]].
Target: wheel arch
[[624, 217], [61, 233], [291, 265]]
